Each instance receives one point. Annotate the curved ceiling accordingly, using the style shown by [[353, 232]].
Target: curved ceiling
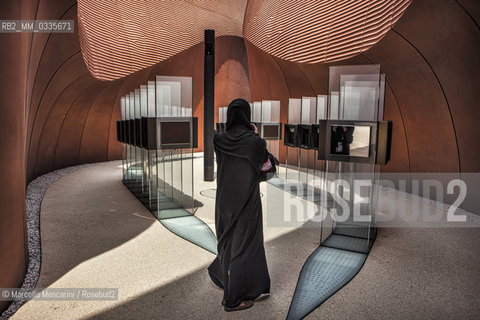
[[312, 31], [120, 37]]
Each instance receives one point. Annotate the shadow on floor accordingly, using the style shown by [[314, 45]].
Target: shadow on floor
[[74, 230], [194, 297]]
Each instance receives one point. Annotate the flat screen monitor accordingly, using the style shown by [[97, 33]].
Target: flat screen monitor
[[314, 136], [290, 137], [347, 140], [304, 134], [350, 140], [272, 131], [175, 134]]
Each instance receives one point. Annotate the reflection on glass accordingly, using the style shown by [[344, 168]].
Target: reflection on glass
[[352, 141], [160, 176], [270, 125], [356, 93]]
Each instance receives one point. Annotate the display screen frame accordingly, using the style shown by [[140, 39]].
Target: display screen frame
[[287, 128], [163, 122], [263, 130], [304, 132], [349, 158]]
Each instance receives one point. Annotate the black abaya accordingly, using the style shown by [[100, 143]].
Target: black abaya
[[240, 267]]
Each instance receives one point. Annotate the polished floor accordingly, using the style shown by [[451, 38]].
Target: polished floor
[[95, 233]]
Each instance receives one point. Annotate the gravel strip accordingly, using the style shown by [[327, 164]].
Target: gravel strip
[[34, 195]]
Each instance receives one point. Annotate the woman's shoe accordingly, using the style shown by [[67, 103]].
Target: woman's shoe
[[261, 297], [242, 306]]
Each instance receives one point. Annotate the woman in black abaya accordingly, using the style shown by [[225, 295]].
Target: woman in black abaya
[[240, 267]]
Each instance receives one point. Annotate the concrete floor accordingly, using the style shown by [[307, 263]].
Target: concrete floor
[[96, 234]]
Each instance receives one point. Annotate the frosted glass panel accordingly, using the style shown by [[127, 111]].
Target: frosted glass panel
[[169, 97], [266, 111], [359, 96], [319, 165], [175, 169], [292, 154], [127, 107], [122, 108], [137, 104], [151, 99], [132, 105], [322, 102], [381, 98], [305, 116], [162, 179], [306, 157], [334, 100], [222, 114], [309, 110], [256, 113], [294, 110], [275, 111], [143, 101], [270, 114], [356, 93], [164, 99]]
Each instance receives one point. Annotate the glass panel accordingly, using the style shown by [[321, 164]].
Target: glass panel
[[131, 166], [138, 150], [306, 157], [162, 177], [152, 154], [272, 111], [321, 114], [124, 146], [151, 111], [256, 113], [291, 163], [186, 155], [145, 158], [175, 168], [269, 125], [356, 93]]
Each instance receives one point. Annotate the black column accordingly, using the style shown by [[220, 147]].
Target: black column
[[208, 108]]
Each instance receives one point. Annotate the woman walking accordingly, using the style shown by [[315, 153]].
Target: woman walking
[[240, 267]]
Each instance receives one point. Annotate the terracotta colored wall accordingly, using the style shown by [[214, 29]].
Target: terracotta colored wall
[[71, 115], [430, 92], [68, 111], [54, 114], [14, 52], [431, 62]]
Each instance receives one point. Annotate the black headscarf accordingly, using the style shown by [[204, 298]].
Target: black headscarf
[[238, 116], [240, 139]]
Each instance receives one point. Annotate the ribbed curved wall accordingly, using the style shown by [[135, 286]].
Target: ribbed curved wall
[[121, 37], [431, 61], [55, 113], [312, 31]]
